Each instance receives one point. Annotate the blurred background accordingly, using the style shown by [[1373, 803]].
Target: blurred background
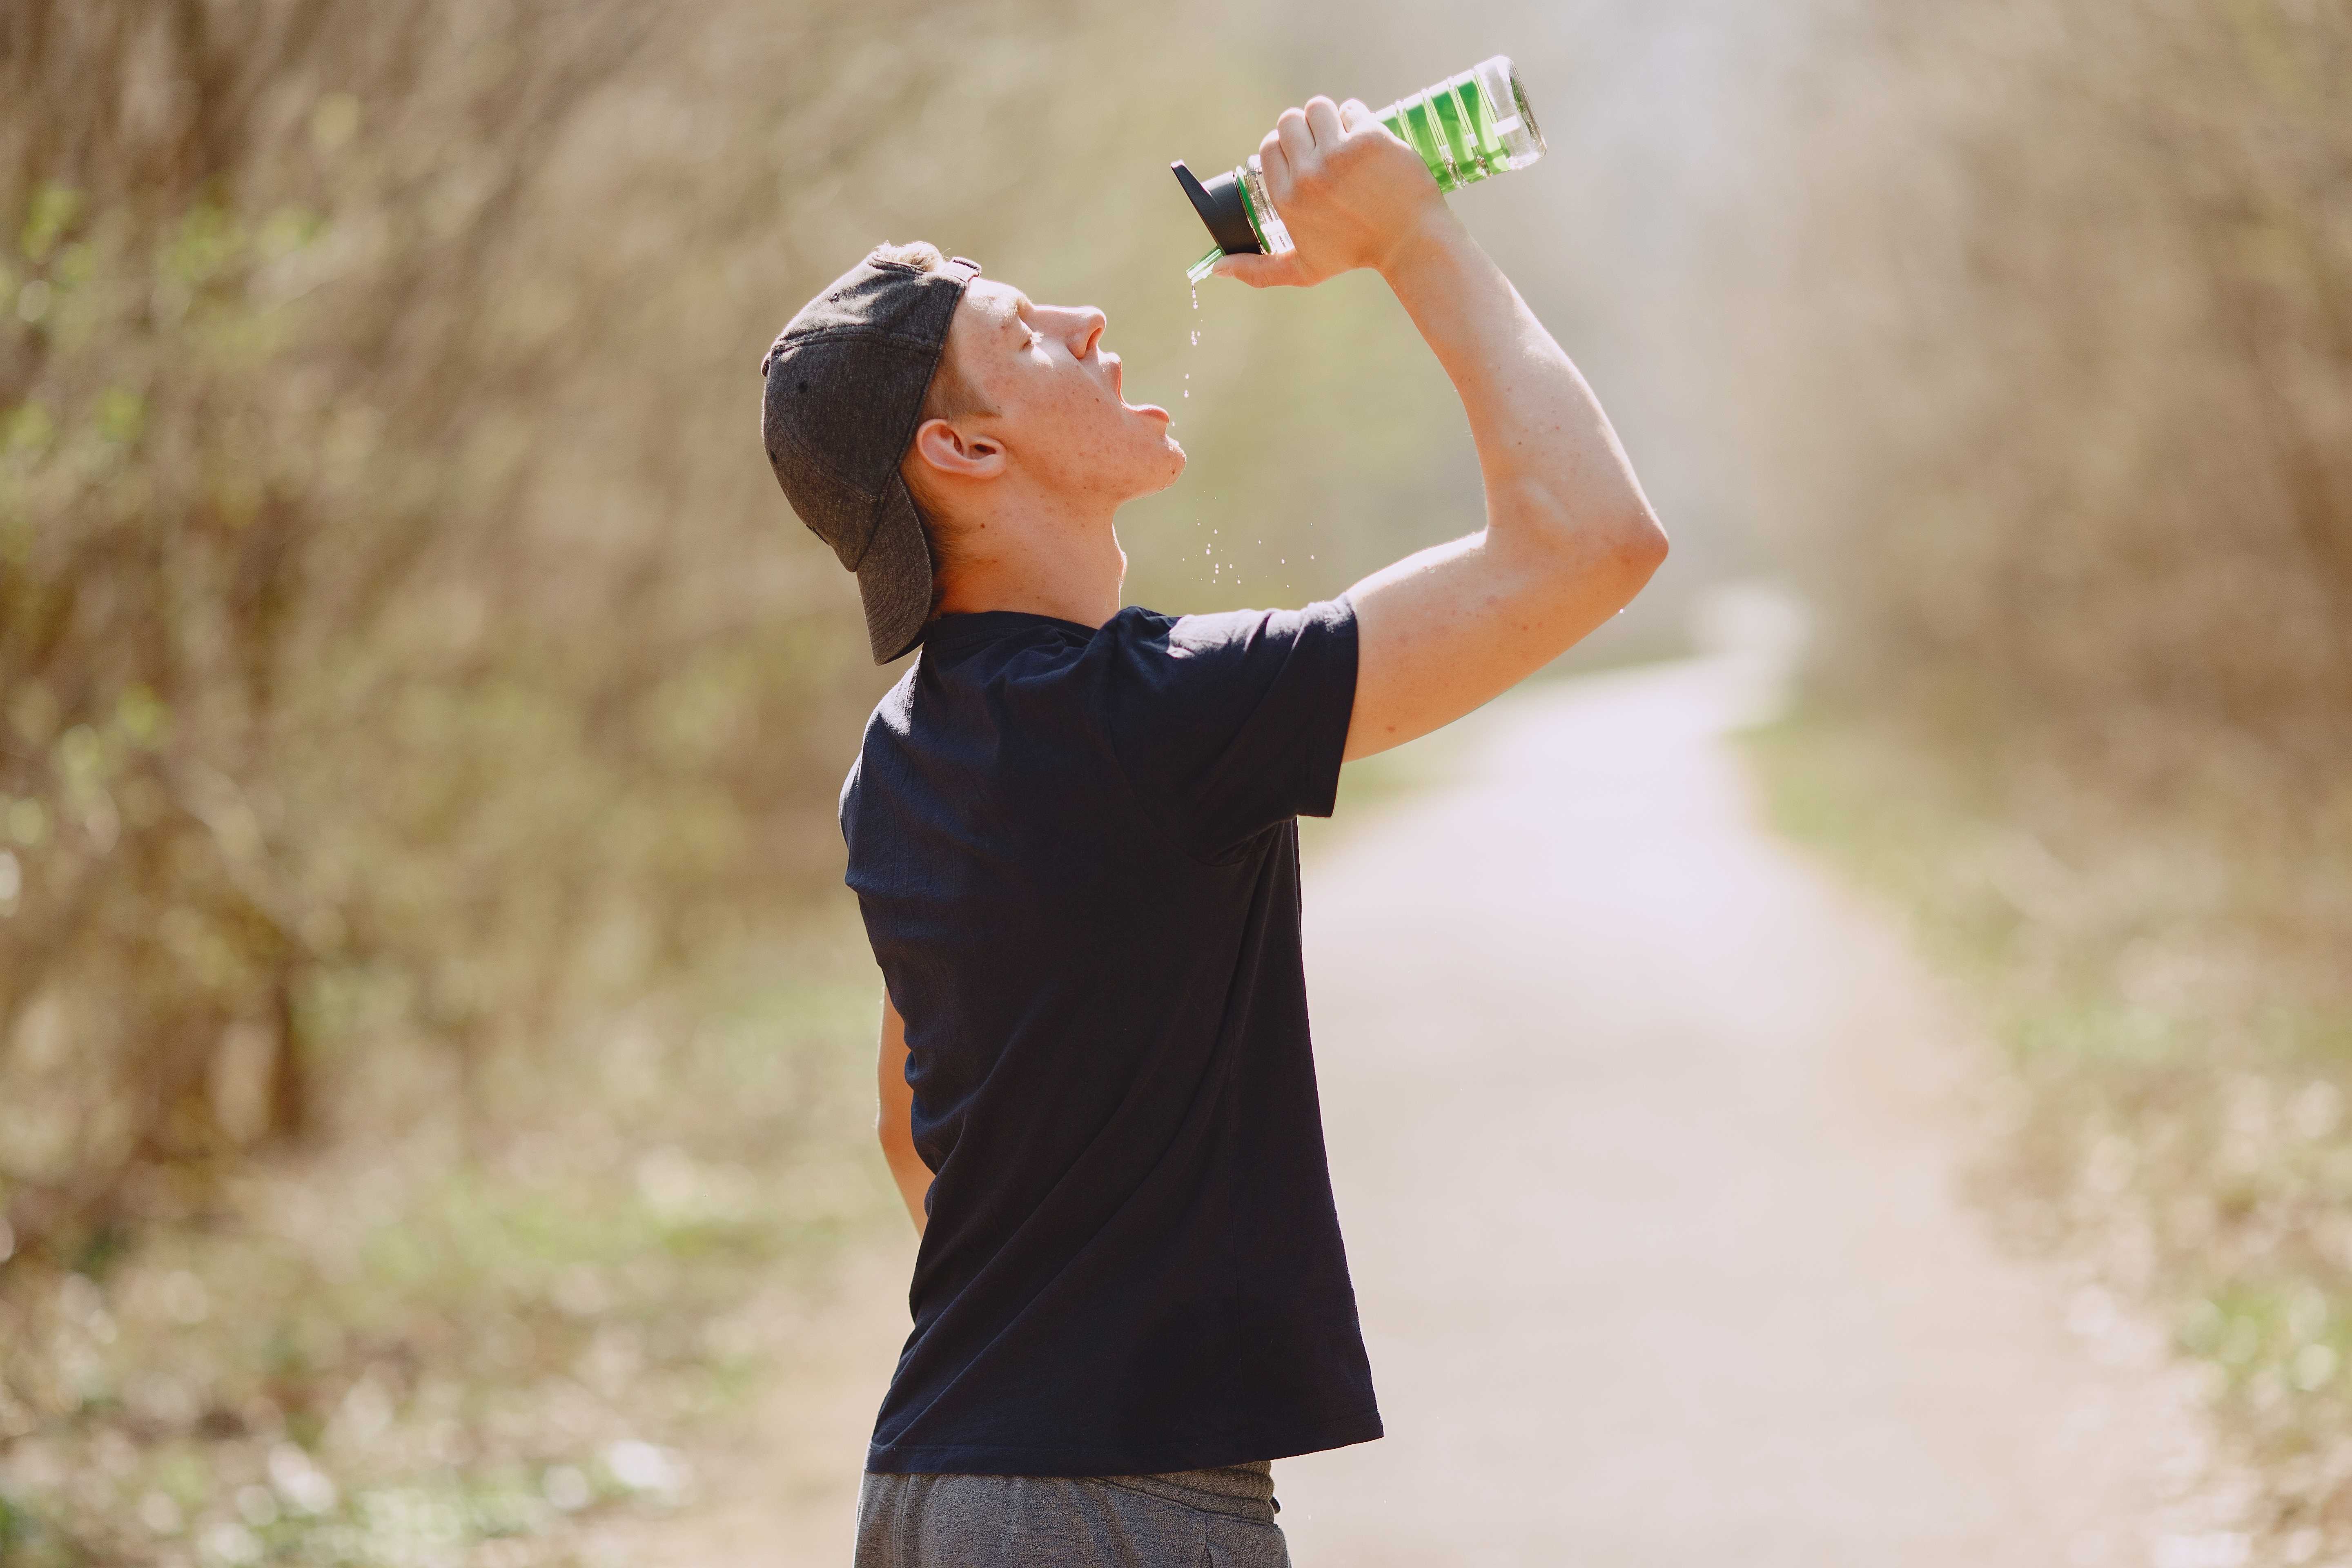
[[433, 1041]]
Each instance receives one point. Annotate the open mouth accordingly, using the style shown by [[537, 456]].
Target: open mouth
[[1119, 390]]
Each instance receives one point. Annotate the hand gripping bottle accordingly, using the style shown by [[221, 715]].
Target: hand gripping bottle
[[1465, 128]]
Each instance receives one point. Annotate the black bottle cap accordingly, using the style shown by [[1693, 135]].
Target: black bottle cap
[[1219, 202]]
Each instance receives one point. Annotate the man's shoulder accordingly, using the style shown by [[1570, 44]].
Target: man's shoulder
[[1034, 657], [891, 716], [1026, 673], [893, 709], [1219, 636], [1051, 673], [1198, 631]]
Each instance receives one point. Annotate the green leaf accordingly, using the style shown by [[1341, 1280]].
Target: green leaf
[[141, 717], [120, 415], [27, 428], [287, 230], [205, 246], [51, 212]]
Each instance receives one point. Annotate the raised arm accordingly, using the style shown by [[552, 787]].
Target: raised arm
[[1569, 538], [893, 1122]]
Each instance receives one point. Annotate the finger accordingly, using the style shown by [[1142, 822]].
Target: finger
[[1323, 122], [1245, 268], [1297, 143], [1361, 121], [1259, 271], [1273, 163]]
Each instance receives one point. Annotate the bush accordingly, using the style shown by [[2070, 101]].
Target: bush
[[2069, 457]]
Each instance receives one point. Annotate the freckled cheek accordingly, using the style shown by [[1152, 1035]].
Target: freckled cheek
[[1089, 409]]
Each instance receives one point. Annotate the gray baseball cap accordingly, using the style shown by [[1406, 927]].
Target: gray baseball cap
[[845, 382]]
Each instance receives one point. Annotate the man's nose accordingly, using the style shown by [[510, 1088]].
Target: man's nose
[[1086, 329]]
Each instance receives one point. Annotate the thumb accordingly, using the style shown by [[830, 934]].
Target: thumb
[[1258, 271]]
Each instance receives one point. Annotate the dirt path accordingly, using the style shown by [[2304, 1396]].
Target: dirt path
[[1644, 1141]]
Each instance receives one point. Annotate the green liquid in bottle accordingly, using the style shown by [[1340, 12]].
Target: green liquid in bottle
[[1466, 128], [1469, 127]]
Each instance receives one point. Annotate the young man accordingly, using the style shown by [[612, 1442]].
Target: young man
[[1072, 833]]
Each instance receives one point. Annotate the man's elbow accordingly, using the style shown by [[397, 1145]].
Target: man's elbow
[[1623, 535], [1631, 549], [898, 1146], [1640, 543], [1608, 553]]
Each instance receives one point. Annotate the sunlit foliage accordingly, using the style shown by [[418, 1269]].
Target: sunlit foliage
[[2067, 462]]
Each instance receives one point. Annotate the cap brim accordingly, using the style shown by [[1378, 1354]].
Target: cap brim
[[894, 576]]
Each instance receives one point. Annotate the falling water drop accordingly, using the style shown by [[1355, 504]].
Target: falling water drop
[[1196, 338]]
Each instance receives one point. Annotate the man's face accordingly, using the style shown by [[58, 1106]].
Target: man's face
[[1055, 395]]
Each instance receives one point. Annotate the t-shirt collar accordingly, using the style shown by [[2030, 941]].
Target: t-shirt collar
[[967, 629]]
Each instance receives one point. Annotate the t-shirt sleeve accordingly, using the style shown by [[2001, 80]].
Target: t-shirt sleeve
[[1229, 723]]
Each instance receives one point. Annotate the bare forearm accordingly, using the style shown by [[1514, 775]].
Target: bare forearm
[[913, 1181], [1568, 538], [894, 1117], [1553, 469]]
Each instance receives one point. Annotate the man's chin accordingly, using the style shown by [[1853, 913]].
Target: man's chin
[[1148, 469]]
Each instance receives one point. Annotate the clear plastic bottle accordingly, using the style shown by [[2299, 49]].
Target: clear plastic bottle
[[1465, 128]]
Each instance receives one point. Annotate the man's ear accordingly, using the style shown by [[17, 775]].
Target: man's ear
[[957, 454]]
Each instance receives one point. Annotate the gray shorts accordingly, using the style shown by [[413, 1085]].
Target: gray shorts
[[1192, 1519]]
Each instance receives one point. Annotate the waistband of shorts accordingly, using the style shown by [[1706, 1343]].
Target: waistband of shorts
[[1237, 1491]]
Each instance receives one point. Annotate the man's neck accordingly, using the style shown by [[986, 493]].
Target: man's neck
[[1068, 568]]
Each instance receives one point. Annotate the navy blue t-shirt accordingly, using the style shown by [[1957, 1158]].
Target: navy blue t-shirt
[[1076, 852]]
